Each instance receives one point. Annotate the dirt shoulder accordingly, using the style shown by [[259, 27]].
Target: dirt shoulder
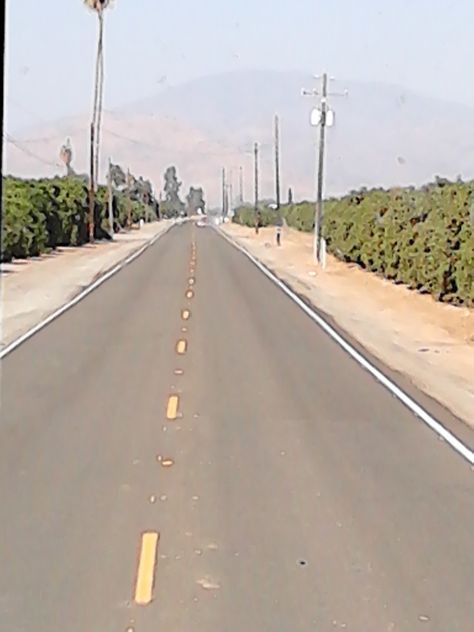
[[31, 289], [429, 342]]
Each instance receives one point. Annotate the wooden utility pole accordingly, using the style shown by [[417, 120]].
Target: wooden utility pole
[[224, 200], [91, 185], [241, 185], [256, 186], [277, 161], [255, 151], [320, 117], [231, 197], [111, 200], [322, 138], [129, 200]]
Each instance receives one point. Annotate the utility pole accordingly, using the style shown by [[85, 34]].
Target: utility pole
[[318, 219], [129, 200], [241, 185], [227, 200], [255, 151], [322, 118], [224, 205], [91, 186], [111, 200], [231, 197], [256, 187], [277, 160]]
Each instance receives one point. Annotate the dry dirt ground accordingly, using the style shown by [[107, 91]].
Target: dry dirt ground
[[31, 289]]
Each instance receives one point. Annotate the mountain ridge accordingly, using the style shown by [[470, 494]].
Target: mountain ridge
[[384, 135]]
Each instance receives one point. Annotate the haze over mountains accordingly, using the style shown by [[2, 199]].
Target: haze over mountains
[[383, 135]]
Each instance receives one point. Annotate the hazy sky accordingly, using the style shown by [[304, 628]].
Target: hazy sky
[[425, 45]]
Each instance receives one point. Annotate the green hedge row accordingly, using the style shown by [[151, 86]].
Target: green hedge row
[[245, 215], [423, 238], [40, 215]]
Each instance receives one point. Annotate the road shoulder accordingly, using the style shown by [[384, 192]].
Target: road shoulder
[[33, 289], [430, 344]]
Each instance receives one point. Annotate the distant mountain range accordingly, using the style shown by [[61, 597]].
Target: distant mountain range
[[384, 135]]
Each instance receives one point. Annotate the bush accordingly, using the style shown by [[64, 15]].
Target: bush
[[40, 215], [245, 215], [423, 238]]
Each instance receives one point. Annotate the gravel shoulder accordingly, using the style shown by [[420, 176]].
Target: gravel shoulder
[[31, 289], [432, 344]]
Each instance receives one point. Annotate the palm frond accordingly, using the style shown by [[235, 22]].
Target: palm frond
[[97, 5]]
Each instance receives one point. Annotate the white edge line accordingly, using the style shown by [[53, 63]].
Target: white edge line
[[90, 288], [415, 408]]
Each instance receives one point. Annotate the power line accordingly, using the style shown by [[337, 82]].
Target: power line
[[46, 139], [30, 153]]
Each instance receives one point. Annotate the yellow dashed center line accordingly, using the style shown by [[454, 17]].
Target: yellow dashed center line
[[172, 407], [185, 314], [181, 346], [146, 568]]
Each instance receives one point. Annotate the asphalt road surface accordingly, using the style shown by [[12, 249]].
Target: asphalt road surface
[[250, 478]]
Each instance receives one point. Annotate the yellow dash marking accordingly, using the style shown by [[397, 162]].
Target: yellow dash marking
[[185, 314], [172, 408], [181, 346], [189, 294], [146, 568]]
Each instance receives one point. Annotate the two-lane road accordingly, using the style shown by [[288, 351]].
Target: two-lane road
[[185, 450]]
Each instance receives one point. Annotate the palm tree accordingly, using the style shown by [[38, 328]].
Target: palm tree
[[98, 6]]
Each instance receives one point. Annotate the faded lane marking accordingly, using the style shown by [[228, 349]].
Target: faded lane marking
[[172, 407], [146, 568], [181, 346], [167, 462], [185, 314], [189, 294], [178, 371], [192, 281]]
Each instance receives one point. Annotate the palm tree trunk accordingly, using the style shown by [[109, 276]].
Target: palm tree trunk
[[100, 90], [95, 125]]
